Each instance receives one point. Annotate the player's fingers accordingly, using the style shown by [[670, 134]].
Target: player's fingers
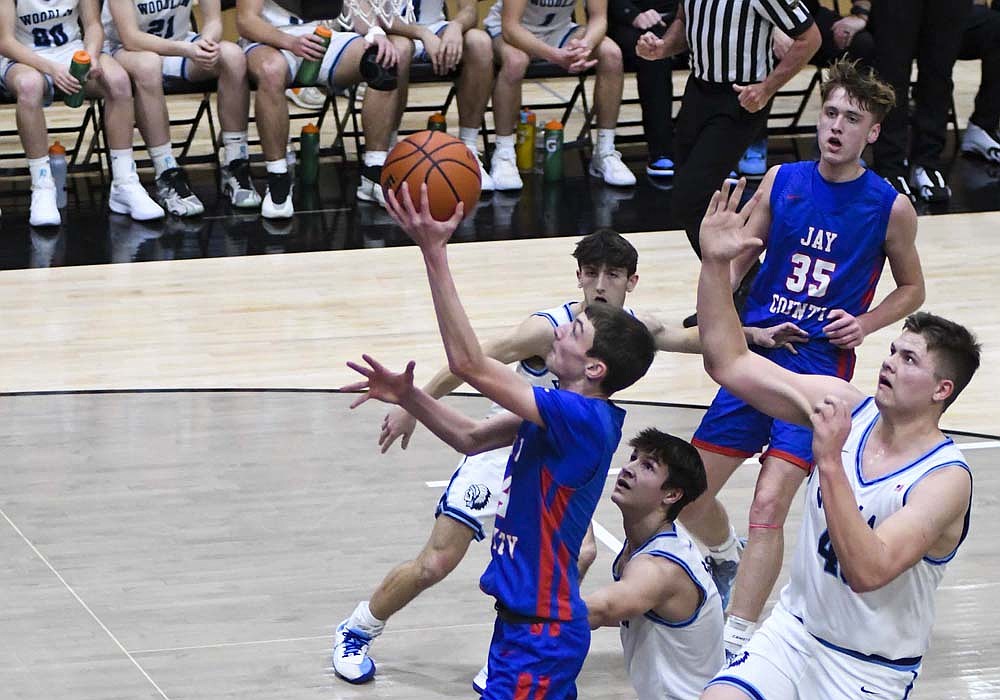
[[406, 441], [458, 214], [790, 348], [748, 208], [713, 204], [360, 400], [360, 369], [425, 202], [736, 195]]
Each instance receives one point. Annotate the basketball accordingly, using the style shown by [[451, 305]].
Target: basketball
[[446, 164]]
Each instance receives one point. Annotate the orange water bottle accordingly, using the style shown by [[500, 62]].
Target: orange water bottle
[[437, 122]]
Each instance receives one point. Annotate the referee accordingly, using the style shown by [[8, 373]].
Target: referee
[[728, 94]]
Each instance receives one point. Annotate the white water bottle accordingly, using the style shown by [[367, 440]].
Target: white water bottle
[[57, 164]]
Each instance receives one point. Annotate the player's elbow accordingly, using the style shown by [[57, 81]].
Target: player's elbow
[[866, 581]]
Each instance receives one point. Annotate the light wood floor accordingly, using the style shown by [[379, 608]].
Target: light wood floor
[[202, 545]]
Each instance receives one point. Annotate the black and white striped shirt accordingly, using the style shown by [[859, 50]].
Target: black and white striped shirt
[[730, 40]]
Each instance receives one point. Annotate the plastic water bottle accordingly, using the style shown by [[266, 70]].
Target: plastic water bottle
[[309, 154], [78, 68], [290, 158], [553, 151], [57, 164], [437, 122], [309, 69], [525, 147]]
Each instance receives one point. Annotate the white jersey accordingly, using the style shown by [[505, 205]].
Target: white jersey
[[46, 25], [428, 12], [533, 369], [542, 15], [167, 19], [894, 621], [674, 660]]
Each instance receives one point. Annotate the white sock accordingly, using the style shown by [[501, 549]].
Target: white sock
[[469, 136], [122, 164], [376, 157], [737, 633], [505, 143], [39, 168], [393, 139], [363, 620], [728, 550], [605, 141], [162, 157], [235, 145], [277, 166]]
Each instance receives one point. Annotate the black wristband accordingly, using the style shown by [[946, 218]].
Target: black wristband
[[860, 11]]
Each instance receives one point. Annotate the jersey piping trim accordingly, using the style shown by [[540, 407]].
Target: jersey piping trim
[[653, 617], [861, 449], [621, 552], [737, 683], [968, 511]]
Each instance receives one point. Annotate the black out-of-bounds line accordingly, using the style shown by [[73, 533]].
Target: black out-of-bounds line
[[308, 390]]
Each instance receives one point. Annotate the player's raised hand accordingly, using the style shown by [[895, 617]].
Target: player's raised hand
[[651, 47], [380, 383], [831, 421], [723, 232], [424, 229], [844, 330], [784, 335], [397, 423]]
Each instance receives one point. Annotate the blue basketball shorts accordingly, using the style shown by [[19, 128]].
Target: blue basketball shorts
[[537, 661], [732, 427]]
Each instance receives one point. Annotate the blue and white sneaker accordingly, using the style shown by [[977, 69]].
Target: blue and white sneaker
[[479, 682], [754, 160], [660, 167], [350, 655], [724, 572]]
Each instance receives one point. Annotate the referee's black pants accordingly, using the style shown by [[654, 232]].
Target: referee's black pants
[[711, 134], [655, 86], [981, 40], [931, 32]]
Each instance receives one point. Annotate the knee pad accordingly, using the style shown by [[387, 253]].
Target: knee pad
[[377, 76]]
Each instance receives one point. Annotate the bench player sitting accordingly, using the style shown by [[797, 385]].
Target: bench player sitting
[[457, 49], [523, 30], [276, 42], [37, 42], [153, 40]]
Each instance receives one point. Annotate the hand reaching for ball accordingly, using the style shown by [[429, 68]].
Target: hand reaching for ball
[[424, 229]]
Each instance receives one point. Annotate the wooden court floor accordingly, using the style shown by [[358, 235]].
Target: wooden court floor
[[198, 544]]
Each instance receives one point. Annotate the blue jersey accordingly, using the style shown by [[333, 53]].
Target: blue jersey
[[825, 250], [553, 481]]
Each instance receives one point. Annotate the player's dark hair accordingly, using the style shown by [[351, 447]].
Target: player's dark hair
[[953, 345], [862, 86], [685, 470], [623, 343], [606, 247]]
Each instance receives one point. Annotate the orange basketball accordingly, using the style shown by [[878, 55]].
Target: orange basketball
[[443, 162]]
